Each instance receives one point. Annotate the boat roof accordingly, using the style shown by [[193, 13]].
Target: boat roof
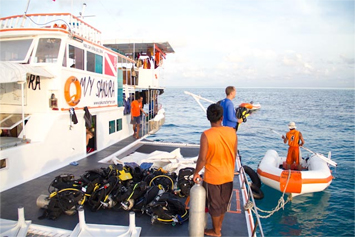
[[137, 46], [15, 72]]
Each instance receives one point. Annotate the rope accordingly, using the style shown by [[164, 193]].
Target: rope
[[280, 204]]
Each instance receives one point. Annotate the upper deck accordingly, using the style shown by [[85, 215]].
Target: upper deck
[[61, 57], [64, 22]]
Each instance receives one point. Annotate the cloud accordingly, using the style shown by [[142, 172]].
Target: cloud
[[247, 54], [296, 60], [347, 60]]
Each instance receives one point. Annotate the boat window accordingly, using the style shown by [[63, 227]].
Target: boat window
[[64, 63], [76, 57], [94, 63], [111, 126], [14, 50], [3, 163], [118, 124], [47, 50]]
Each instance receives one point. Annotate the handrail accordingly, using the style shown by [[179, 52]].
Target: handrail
[[70, 23], [251, 199]]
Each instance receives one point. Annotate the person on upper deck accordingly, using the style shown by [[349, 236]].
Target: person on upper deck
[[218, 150], [295, 141], [229, 114], [136, 108]]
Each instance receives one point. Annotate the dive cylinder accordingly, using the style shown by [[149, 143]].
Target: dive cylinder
[[197, 210], [42, 201]]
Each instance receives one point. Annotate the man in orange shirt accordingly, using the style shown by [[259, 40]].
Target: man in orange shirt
[[295, 140], [218, 149], [136, 108]]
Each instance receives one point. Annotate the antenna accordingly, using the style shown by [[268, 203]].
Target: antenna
[[28, 4], [81, 14]]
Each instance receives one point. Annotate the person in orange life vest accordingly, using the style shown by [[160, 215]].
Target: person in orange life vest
[[218, 150], [295, 140], [136, 108]]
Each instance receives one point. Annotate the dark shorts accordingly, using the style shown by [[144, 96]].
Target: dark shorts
[[218, 197], [136, 120]]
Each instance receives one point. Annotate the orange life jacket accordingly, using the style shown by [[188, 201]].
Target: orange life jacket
[[293, 137]]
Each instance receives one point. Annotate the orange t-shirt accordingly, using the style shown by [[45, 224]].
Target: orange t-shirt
[[136, 108], [220, 159], [293, 137]]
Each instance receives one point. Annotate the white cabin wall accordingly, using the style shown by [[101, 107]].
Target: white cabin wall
[[38, 99], [103, 138], [147, 78], [50, 137]]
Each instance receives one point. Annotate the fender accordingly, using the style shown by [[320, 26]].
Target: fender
[[256, 182]]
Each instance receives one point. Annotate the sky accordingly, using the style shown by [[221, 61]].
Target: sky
[[217, 43]]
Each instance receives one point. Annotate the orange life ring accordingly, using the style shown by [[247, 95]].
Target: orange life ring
[[72, 100]]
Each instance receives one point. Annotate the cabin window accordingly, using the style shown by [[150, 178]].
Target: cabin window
[[47, 50], [14, 50], [119, 124], [76, 57], [94, 63], [120, 100], [3, 163], [111, 126], [64, 63]]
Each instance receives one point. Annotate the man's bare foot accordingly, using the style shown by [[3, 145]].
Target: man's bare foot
[[211, 232]]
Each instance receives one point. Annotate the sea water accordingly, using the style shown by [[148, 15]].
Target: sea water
[[326, 118]]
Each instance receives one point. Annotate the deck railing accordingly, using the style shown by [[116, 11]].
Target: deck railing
[[252, 206], [63, 21], [150, 126]]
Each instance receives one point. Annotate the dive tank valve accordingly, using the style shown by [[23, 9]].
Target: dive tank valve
[[197, 210]]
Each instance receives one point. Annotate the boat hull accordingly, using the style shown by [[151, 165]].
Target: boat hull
[[315, 179]]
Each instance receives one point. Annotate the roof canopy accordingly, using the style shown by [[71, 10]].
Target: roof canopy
[[14, 72], [133, 47]]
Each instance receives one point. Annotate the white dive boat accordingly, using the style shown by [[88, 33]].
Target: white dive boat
[[315, 178], [59, 82], [57, 79]]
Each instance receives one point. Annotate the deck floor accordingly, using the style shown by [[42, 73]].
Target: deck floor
[[25, 195]]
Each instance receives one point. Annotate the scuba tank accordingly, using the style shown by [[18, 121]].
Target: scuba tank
[[197, 210]]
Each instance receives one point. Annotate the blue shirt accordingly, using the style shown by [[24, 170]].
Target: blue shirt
[[229, 117]]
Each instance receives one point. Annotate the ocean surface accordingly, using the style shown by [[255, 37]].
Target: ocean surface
[[326, 118]]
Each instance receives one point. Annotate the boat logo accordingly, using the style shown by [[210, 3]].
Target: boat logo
[[74, 99]]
